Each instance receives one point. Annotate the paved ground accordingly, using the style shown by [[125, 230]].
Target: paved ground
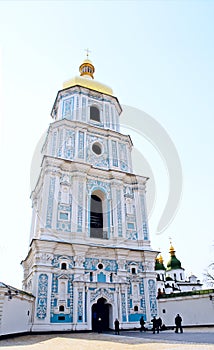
[[191, 339]]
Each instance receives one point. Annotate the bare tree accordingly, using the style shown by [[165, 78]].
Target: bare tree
[[209, 275]]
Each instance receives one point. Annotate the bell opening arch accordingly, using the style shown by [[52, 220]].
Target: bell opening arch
[[98, 214]]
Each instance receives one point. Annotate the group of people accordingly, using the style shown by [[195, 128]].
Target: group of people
[[157, 324]]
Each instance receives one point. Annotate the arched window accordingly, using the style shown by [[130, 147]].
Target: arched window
[[135, 308], [61, 308], [133, 271], [94, 114], [63, 266], [96, 217]]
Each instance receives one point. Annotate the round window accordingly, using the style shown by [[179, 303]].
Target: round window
[[97, 148], [100, 266]]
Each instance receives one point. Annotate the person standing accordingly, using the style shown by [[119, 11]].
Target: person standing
[[142, 323], [154, 321], [159, 324], [117, 326], [178, 321]]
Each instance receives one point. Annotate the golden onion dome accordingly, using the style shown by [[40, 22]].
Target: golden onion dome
[[87, 68], [86, 79]]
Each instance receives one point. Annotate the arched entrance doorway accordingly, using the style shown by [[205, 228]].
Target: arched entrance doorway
[[100, 310]]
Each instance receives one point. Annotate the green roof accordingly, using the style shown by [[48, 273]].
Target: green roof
[[159, 266], [173, 264]]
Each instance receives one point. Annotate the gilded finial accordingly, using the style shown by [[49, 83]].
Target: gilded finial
[[171, 249]]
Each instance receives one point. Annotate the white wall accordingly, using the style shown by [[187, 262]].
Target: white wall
[[16, 315], [194, 310]]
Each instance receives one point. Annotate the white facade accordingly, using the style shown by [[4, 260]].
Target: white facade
[[90, 254]]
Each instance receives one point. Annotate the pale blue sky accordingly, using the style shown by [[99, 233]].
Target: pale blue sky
[[156, 55]]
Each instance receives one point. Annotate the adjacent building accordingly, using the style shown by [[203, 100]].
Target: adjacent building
[[172, 279]]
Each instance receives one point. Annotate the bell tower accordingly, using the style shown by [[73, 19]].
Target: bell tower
[[90, 255]]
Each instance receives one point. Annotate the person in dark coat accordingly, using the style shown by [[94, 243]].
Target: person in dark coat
[[159, 324], [154, 321], [117, 326], [142, 323], [178, 321]]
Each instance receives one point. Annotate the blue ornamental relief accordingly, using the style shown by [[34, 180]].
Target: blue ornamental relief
[[42, 296], [67, 108], [60, 148], [119, 214], [71, 296], [104, 293], [142, 298], [152, 297], [80, 208], [123, 157], [84, 109], [145, 225], [50, 203], [80, 306], [69, 145], [91, 263], [100, 160], [58, 258], [107, 119], [114, 153], [129, 293], [133, 236], [81, 145], [123, 302], [110, 265]]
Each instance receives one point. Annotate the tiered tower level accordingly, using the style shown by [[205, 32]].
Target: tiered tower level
[[90, 255]]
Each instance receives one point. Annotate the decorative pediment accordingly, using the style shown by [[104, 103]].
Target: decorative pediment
[[102, 293]]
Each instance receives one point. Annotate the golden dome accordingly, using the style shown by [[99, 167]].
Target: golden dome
[[87, 68], [88, 83], [86, 79]]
